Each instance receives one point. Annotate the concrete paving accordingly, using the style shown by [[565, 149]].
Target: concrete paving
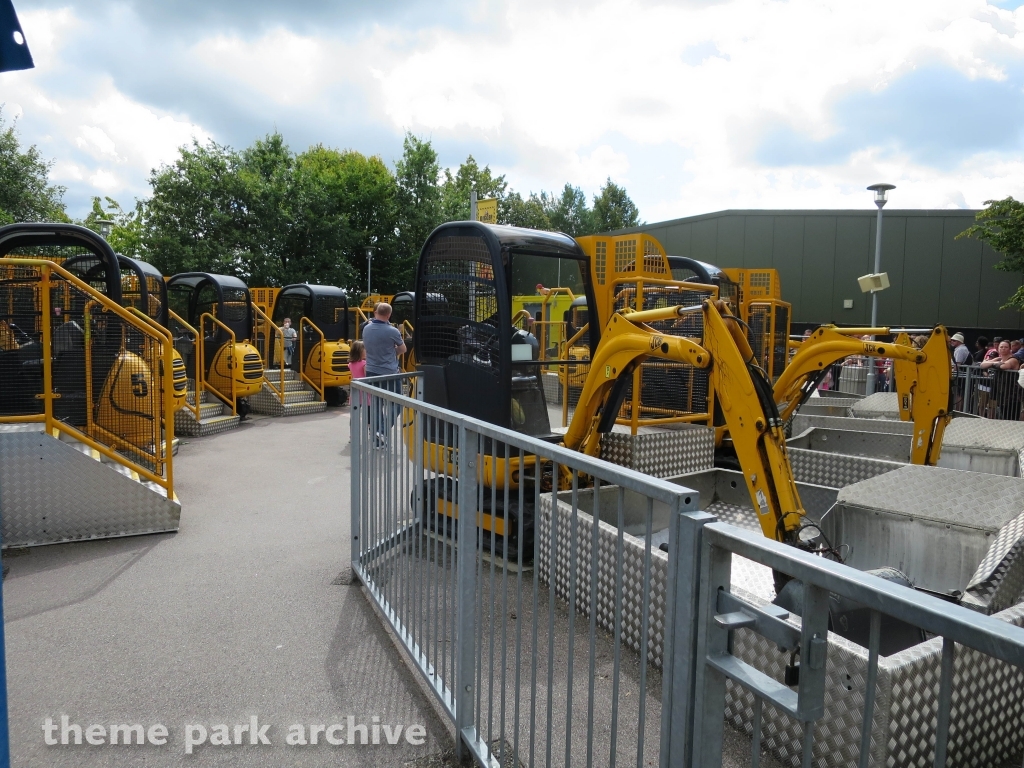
[[238, 615], [232, 617]]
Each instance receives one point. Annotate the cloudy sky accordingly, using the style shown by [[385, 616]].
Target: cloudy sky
[[694, 106]]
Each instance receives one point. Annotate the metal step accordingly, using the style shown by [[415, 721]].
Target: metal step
[[311, 406], [300, 396], [274, 375]]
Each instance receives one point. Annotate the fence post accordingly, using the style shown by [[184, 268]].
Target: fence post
[[358, 432], [465, 674], [709, 688], [680, 655]]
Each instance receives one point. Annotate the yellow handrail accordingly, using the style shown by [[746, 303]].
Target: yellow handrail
[[263, 317], [163, 470], [197, 358], [302, 357], [202, 359], [361, 320]]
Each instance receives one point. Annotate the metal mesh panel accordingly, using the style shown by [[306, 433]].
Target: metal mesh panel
[[185, 344], [21, 372], [329, 310], [668, 388], [600, 261], [236, 306], [625, 256], [780, 342], [760, 323], [654, 262], [465, 323]]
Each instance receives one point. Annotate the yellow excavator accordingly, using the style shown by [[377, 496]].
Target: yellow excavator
[[922, 378], [467, 345]]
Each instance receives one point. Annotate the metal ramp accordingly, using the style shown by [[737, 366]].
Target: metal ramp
[[58, 489], [298, 396]]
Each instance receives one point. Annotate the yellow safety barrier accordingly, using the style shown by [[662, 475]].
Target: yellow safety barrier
[[317, 385], [263, 321], [104, 373]]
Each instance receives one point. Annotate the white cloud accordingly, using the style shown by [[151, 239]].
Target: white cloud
[[676, 100], [102, 142]]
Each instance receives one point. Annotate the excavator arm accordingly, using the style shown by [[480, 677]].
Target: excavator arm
[[744, 394], [922, 379]]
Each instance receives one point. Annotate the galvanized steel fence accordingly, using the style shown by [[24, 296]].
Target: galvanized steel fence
[[989, 392], [549, 639]]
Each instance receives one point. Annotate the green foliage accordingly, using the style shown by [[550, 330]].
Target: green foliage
[[196, 218], [517, 212], [469, 176], [569, 212], [126, 234], [273, 217], [419, 203], [345, 203], [613, 209], [1001, 225], [25, 191]]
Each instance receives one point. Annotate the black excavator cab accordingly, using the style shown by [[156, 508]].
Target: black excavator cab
[[685, 269], [218, 307], [473, 360], [315, 310], [21, 327]]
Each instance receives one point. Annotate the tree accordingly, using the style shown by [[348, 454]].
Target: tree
[[345, 203], [1001, 225], [127, 233], [419, 200], [569, 212], [517, 212], [613, 209], [196, 216], [263, 211], [456, 188], [25, 190]]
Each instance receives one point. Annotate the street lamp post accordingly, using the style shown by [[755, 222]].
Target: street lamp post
[[105, 226], [369, 267], [880, 191]]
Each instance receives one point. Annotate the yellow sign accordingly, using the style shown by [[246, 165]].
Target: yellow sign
[[487, 211]]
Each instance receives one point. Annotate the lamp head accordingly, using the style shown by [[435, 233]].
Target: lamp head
[[104, 226], [880, 191]]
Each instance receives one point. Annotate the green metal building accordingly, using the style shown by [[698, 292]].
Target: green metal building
[[934, 278]]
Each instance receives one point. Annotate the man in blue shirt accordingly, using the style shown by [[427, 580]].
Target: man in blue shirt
[[383, 344]]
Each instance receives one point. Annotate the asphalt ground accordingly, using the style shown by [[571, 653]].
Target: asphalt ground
[[244, 612]]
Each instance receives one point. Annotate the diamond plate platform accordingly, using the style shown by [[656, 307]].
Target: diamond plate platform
[[661, 451], [802, 422], [880, 405], [888, 446], [947, 529], [55, 491], [988, 696], [984, 445]]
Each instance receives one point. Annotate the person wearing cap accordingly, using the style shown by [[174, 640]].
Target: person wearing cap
[[961, 354]]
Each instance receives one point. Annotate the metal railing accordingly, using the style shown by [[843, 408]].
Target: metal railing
[[229, 399], [175, 320], [265, 331], [541, 633], [86, 367], [316, 385], [989, 392]]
